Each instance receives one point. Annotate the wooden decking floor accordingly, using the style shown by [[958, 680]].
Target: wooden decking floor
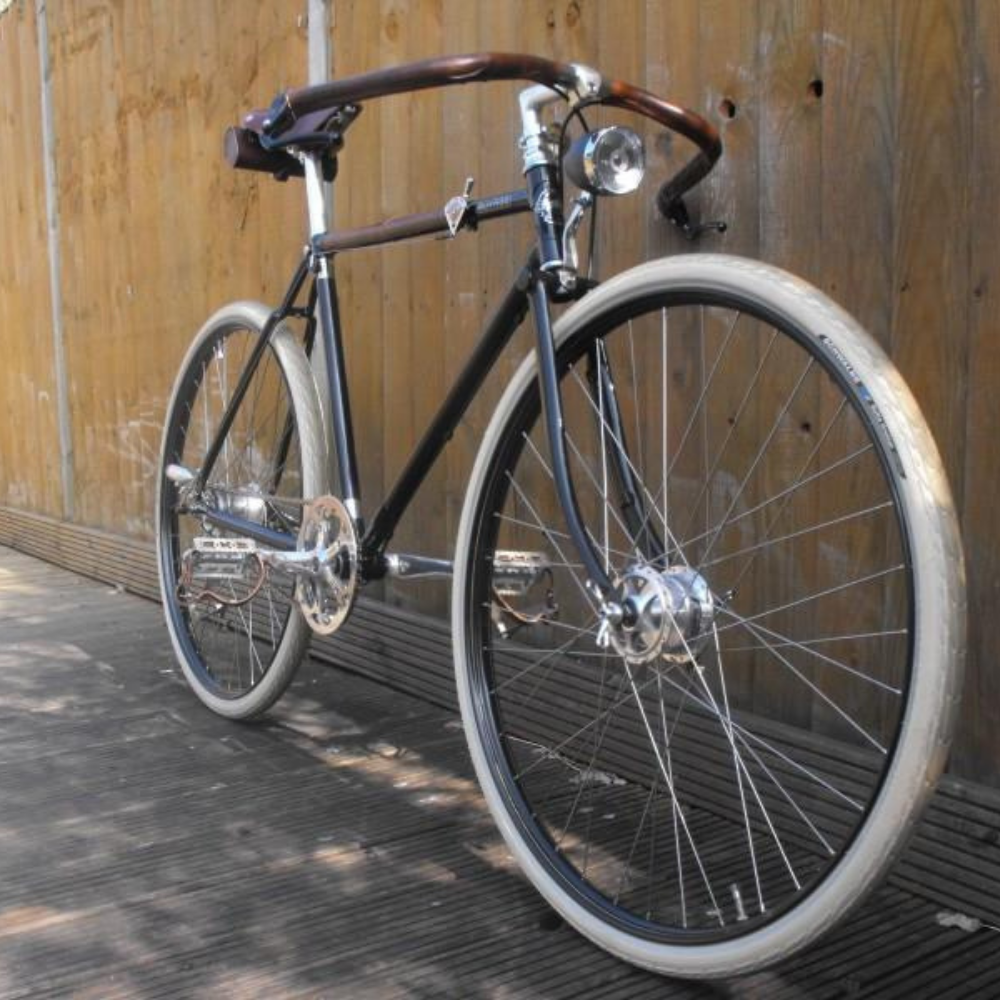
[[339, 849]]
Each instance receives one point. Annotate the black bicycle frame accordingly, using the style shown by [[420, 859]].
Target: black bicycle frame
[[529, 290]]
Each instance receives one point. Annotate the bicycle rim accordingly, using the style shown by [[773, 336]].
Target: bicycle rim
[[701, 796], [233, 646]]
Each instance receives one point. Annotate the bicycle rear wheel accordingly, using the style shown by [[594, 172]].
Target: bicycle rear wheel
[[240, 651], [706, 787]]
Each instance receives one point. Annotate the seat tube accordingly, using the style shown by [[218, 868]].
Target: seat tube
[[333, 349]]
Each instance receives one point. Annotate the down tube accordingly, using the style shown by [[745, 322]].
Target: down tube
[[501, 328]]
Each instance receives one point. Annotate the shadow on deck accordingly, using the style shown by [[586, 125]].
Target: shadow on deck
[[338, 849]]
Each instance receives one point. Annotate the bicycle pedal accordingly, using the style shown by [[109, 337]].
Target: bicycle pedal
[[507, 619], [221, 571], [514, 573], [219, 558]]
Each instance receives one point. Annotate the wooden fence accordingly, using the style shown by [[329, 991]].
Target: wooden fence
[[861, 152]]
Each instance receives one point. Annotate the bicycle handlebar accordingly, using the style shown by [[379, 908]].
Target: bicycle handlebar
[[445, 71]]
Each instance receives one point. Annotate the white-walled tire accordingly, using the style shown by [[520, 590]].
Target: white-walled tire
[[781, 749], [236, 663]]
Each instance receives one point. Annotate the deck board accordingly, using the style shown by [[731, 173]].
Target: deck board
[[338, 849]]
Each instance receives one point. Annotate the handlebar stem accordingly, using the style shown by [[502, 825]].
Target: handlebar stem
[[536, 146]]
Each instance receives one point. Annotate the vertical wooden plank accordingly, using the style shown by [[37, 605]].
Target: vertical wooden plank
[[481, 265], [357, 202], [672, 54], [931, 300], [29, 442], [791, 33], [977, 753], [619, 53], [412, 283], [157, 230], [931, 297], [727, 43], [503, 245], [83, 42], [790, 171], [397, 330], [571, 30], [859, 159], [462, 108], [856, 268]]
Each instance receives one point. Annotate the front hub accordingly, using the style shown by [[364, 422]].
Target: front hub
[[667, 614]]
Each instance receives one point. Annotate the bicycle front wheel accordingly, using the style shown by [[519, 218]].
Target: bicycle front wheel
[[239, 636], [706, 786]]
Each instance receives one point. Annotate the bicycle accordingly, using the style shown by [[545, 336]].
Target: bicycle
[[708, 597]]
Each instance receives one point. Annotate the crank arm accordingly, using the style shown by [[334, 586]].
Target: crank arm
[[404, 566], [309, 563]]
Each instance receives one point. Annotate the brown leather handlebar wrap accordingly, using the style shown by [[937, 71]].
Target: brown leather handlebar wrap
[[443, 71], [482, 67]]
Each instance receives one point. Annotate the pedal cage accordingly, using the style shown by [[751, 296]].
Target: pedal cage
[[508, 620], [220, 560]]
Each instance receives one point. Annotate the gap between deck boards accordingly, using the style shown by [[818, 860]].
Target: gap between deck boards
[[954, 859]]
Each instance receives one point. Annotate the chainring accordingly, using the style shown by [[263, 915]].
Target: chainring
[[326, 595]]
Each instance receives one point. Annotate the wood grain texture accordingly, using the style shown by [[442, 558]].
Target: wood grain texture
[[29, 439], [931, 268], [348, 834], [880, 186], [978, 750], [156, 231], [790, 232]]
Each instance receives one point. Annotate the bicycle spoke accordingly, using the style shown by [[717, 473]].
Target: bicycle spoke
[[820, 640], [745, 737], [784, 641], [572, 444], [562, 555], [665, 775], [757, 458], [832, 467], [710, 473], [703, 395], [812, 529], [664, 418], [624, 453], [789, 496], [747, 624], [549, 656], [816, 596], [235, 644], [698, 751], [738, 766]]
